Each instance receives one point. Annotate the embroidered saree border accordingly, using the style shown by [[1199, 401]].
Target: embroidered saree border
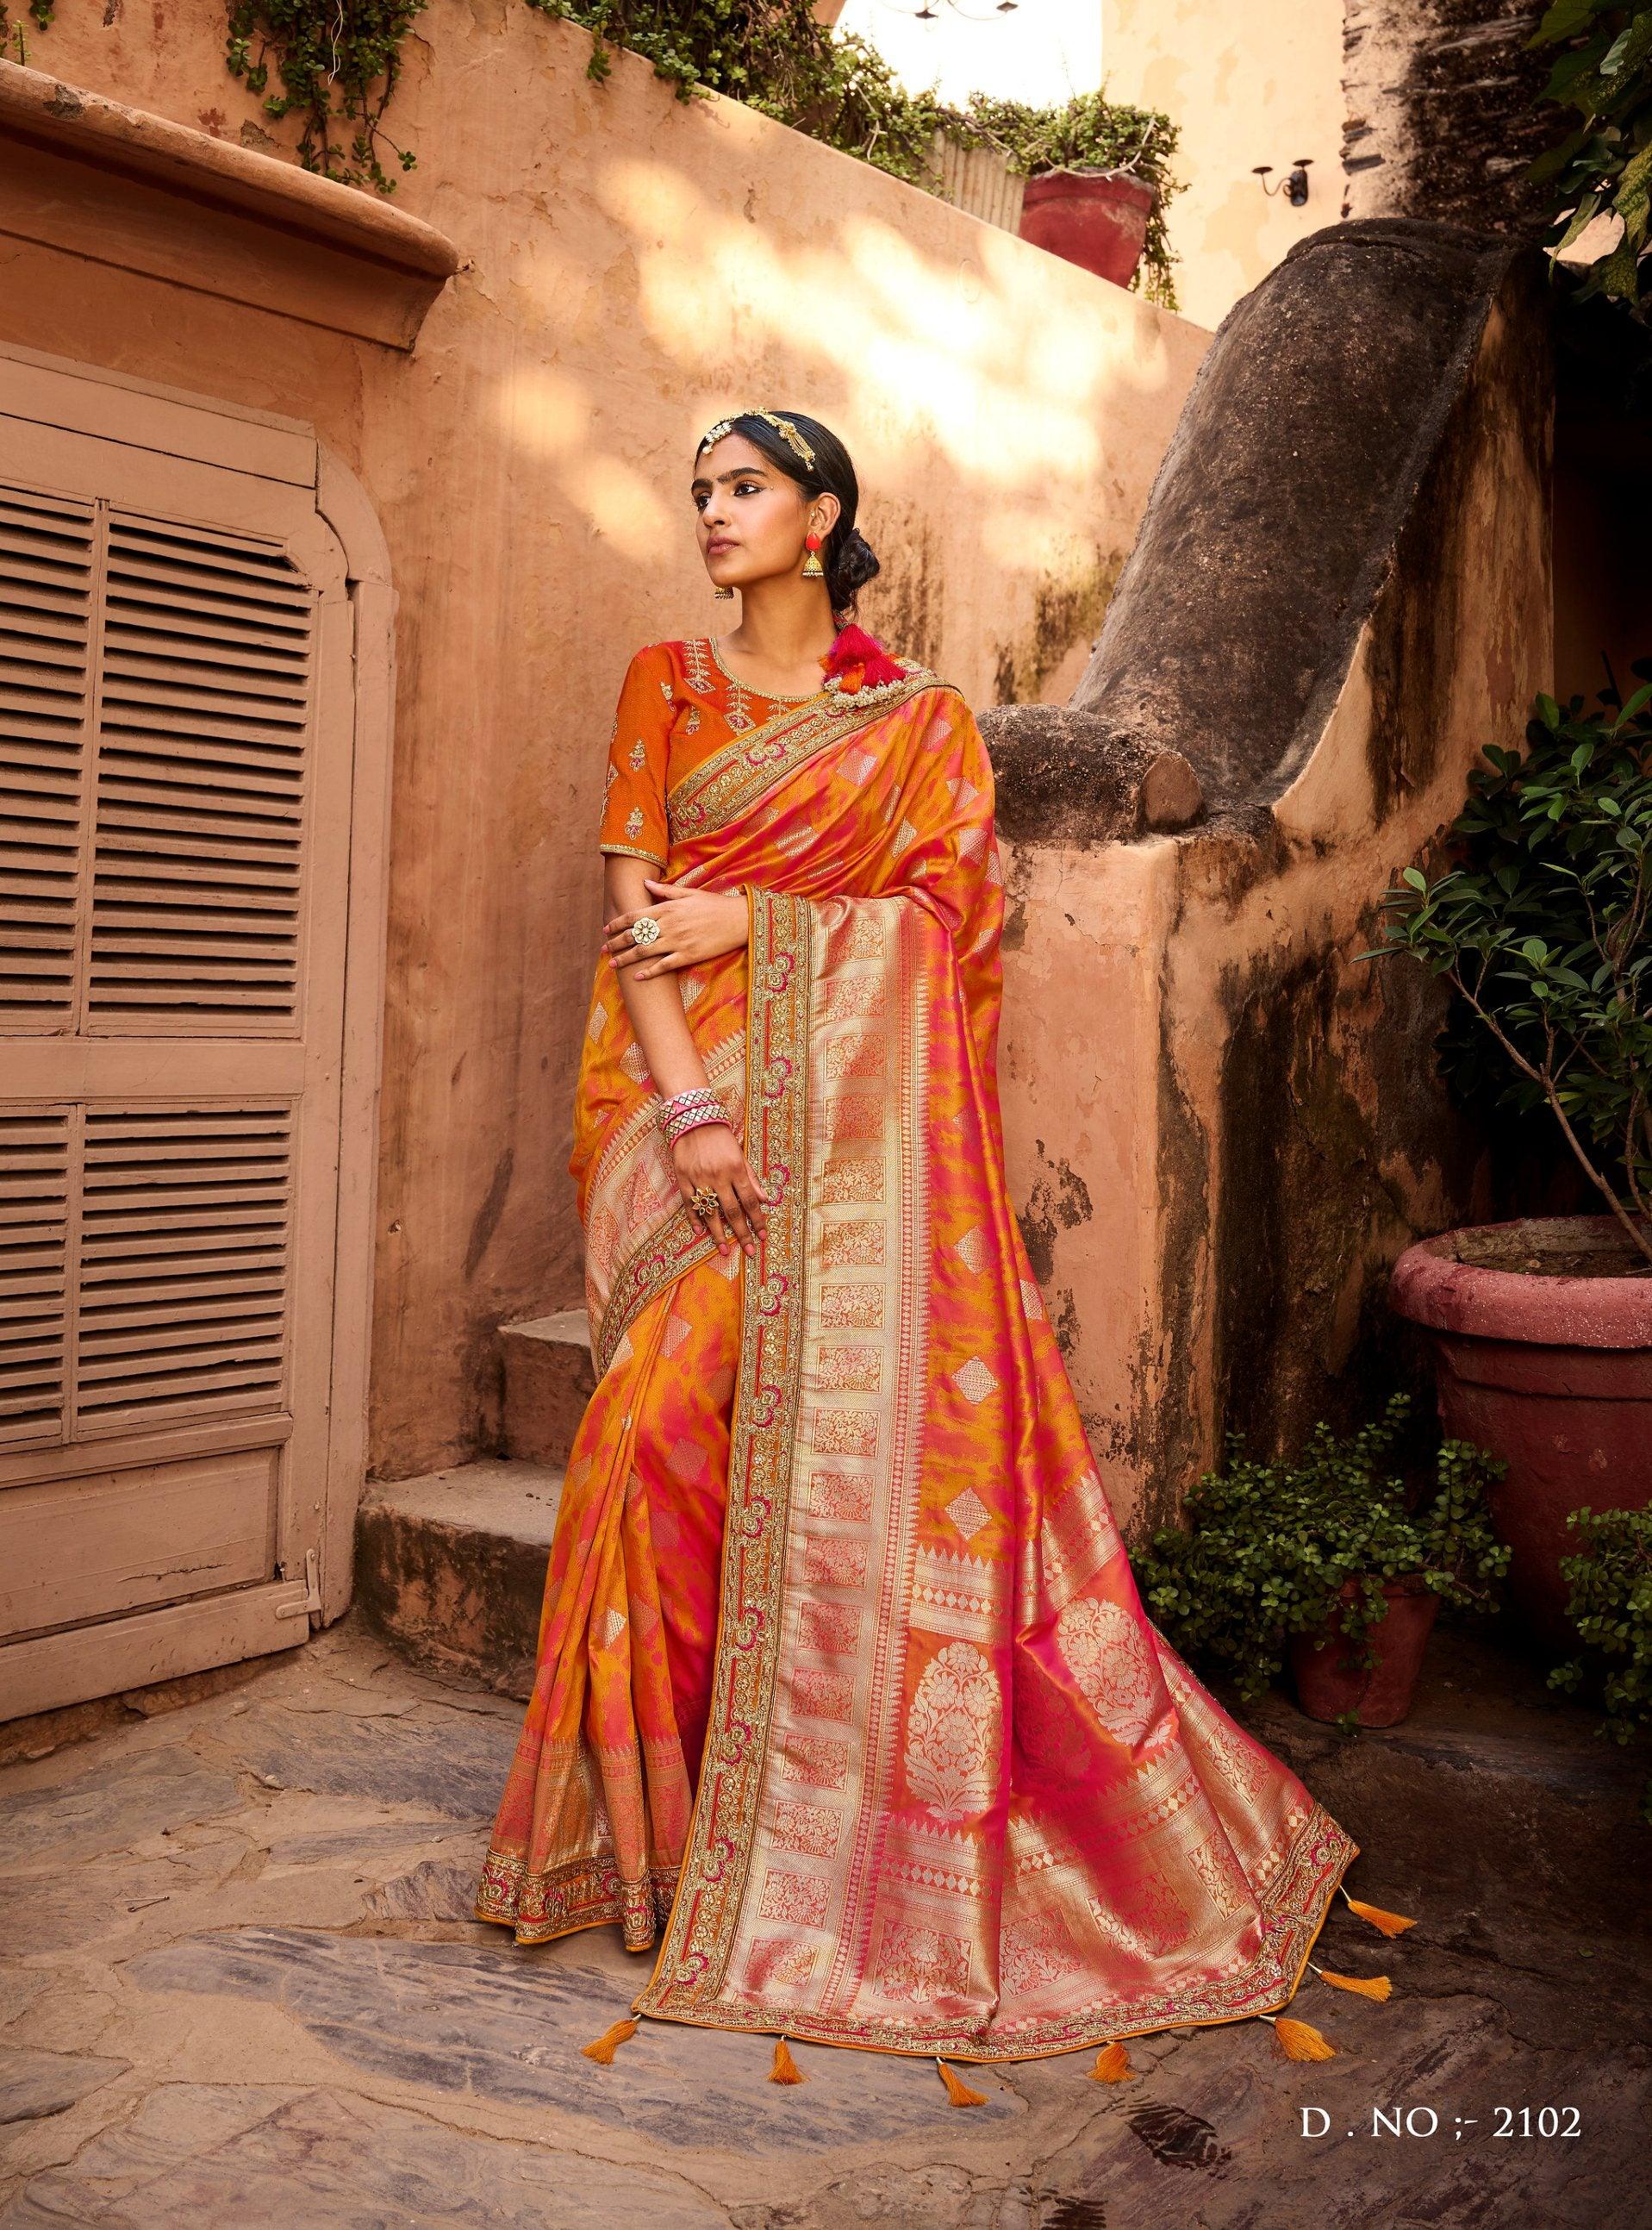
[[671, 1247], [694, 1956], [581, 1893], [731, 780], [1296, 1906]]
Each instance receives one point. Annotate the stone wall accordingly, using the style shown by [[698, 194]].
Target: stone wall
[[1224, 1124]]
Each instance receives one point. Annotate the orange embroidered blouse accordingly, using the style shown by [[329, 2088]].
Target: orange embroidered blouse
[[679, 703]]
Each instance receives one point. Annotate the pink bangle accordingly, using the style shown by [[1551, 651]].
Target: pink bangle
[[693, 1118]]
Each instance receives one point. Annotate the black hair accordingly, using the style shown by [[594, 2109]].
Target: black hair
[[848, 557]]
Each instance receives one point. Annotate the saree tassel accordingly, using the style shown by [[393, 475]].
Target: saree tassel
[[1112, 2065], [1390, 1923], [1298, 2040], [785, 2069], [959, 2092], [608, 2043], [1363, 1986]]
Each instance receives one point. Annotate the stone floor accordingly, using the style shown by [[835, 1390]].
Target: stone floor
[[239, 1987]]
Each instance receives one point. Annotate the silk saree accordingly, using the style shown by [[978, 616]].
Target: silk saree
[[846, 1705]]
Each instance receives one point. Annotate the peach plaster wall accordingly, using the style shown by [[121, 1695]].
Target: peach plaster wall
[[635, 266]]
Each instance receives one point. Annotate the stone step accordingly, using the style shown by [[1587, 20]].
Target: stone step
[[548, 1381], [451, 1567]]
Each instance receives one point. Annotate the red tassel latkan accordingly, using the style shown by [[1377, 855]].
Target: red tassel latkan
[[852, 646]]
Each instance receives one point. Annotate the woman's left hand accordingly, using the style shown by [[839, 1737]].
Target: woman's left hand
[[694, 924]]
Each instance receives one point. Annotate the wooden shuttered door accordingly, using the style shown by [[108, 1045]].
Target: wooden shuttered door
[[177, 717]]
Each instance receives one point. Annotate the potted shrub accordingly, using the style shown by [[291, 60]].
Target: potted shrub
[[1097, 177], [1610, 1609], [1539, 921], [1330, 1561]]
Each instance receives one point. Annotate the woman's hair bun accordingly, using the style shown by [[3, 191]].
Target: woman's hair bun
[[850, 566]]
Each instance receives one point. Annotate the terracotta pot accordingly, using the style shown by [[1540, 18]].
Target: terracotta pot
[[1096, 218], [1330, 1679], [1545, 1356]]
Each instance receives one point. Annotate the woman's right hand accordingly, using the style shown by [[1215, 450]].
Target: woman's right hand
[[711, 1154]]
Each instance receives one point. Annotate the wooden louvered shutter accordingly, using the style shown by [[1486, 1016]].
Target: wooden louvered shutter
[[176, 737]]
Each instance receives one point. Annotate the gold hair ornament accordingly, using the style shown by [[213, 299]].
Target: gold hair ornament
[[784, 426]]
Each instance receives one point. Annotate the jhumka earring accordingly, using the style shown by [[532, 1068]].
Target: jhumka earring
[[813, 569], [722, 592]]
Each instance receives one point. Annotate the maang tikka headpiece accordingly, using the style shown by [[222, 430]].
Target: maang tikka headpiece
[[783, 427]]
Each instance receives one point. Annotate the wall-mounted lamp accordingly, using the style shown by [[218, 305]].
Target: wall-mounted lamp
[[1294, 187]]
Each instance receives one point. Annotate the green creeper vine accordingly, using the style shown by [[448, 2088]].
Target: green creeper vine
[[339, 64], [334, 66]]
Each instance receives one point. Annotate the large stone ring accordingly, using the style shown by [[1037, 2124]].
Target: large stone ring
[[644, 930], [705, 1203]]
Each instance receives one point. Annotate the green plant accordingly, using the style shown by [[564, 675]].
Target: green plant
[[1539, 923], [1605, 165], [338, 61], [339, 65], [1090, 132], [1611, 1605], [1268, 1547]]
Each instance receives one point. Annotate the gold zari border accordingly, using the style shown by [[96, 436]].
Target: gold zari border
[[700, 1934], [727, 784]]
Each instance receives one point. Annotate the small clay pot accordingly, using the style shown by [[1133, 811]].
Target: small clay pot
[[1330, 1679]]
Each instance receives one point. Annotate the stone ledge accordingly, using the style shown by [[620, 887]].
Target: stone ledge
[[1070, 776], [548, 1378], [96, 179], [451, 1567]]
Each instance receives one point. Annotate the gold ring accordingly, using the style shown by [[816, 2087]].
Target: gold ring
[[705, 1203], [644, 930]]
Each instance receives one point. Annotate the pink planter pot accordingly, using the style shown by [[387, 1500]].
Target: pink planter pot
[[1549, 1369], [1330, 1679], [1096, 218]]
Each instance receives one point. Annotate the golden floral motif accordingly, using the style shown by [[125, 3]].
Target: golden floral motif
[[798, 1898], [952, 1732], [835, 1494], [1108, 1655]]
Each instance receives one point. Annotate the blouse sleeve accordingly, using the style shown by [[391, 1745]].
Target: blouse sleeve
[[633, 811]]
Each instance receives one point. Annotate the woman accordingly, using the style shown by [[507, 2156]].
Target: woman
[[843, 1684]]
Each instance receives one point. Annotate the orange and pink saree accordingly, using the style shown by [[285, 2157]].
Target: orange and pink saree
[[845, 1695]]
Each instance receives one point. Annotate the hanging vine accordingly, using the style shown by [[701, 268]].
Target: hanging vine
[[334, 66], [338, 63]]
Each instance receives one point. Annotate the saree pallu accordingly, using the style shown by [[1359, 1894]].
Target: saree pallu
[[956, 1794]]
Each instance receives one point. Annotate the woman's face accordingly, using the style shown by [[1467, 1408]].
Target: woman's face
[[752, 517]]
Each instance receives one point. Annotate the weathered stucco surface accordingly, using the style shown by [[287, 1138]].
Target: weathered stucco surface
[[636, 267], [1225, 1125]]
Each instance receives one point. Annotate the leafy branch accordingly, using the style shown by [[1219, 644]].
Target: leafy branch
[[1540, 926], [1604, 166]]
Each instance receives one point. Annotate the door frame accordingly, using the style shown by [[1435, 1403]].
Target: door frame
[[84, 399]]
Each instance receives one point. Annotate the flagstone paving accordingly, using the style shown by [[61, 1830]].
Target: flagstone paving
[[239, 1986]]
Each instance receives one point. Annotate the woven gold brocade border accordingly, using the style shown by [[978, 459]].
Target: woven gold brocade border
[[722, 786], [698, 1939], [1295, 1907]]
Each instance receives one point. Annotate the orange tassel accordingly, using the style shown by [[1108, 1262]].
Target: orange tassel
[[1112, 2065], [1365, 1986], [1299, 2040], [608, 2043], [1390, 1923], [785, 2067], [960, 2093]]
